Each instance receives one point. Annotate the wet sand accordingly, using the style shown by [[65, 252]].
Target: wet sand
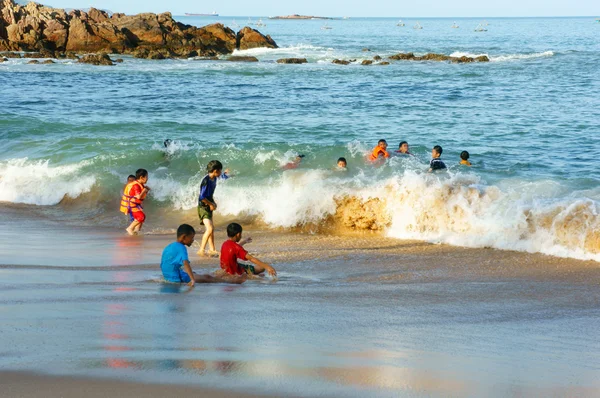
[[354, 315], [31, 385]]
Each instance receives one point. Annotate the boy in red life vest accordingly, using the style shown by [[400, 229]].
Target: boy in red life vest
[[233, 249], [379, 151], [131, 202]]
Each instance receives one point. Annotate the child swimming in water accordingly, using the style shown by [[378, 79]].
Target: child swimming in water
[[379, 151], [294, 164], [436, 161], [464, 158], [233, 249], [342, 164], [403, 149], [175, 264]]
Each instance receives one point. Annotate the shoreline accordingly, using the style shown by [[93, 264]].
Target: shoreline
[[33, 385]]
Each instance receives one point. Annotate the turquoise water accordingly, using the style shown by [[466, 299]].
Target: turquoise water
[[529, 118]]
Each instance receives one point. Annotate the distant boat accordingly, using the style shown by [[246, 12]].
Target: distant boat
[[480, 28], [326, 27], [417, 26], [346, 18], [260, 23], [214, 14], [455, 26], [400, 23]]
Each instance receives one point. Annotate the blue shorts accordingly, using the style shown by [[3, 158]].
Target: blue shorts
[[183, 278]]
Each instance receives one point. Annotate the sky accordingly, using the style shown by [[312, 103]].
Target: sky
[[351, 8]]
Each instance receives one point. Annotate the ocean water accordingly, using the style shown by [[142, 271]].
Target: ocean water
[[529, 118]]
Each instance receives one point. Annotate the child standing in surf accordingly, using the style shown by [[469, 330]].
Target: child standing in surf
[[207, 205], [131, 202]]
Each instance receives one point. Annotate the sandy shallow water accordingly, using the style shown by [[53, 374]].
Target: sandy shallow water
[[356, 315]]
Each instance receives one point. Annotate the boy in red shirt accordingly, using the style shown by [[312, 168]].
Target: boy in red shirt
[[233, 249]]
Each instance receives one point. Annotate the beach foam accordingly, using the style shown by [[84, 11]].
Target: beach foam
[[40, 183]]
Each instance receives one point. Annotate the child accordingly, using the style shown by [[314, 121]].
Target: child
[[131, 202], [342, 164], [232, 250], [403, 149], [175, 257], [436, 161], [294, 164], [380, 150], [206, 206], [464, 158]]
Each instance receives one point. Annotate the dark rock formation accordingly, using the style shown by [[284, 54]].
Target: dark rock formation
[[438, 57], [35, 27], [10, 55], [383, 63], [3, 59], [119, 60], [248, 38], [367, 62], [33, 62], [239, 58], [340, 62], [96, 59], [292, 61], [377, 58], [48, 61]]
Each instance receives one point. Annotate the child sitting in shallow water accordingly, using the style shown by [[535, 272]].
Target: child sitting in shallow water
[[175, 264], [232, 250]]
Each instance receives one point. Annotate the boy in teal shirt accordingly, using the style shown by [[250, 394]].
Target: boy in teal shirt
[[175, 264]]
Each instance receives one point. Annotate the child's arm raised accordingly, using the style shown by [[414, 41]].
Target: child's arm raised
[[188, 270], [271, 271], [244, 241]]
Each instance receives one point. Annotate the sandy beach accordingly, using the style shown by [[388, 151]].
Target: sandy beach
[[350, 315]]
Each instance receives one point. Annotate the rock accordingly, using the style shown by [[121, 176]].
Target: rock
[[367, 62], [119, 60], [403, 57], [35, 27], [96, 59], [86, 35], [48, 61], [155, 55], [3, 60], [366, 49], [377, 58], [10, 55], [242, 59], [340, 62], [383, 63], [433, 57], [462, 60], [206, 59], [33, 62], [482, 58], [292, 61], [248, 38]]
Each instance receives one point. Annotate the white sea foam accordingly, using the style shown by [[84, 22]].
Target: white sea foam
[[506, 57], [40, 183], [455, 209]]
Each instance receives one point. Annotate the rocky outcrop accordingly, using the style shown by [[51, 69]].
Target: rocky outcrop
[[377, 58], [367, 62], [35, 27], [438, 57], [96, 59], [292, 61], [238, 58], [248, 38]]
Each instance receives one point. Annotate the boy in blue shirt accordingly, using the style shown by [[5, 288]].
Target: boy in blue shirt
[[175, 257]]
